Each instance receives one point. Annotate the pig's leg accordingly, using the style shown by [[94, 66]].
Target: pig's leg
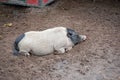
[[68, 48], [25, 53], [60, 51]]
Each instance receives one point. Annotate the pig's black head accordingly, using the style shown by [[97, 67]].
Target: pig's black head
[[75, 37]]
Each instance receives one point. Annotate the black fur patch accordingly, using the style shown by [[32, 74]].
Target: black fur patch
[[18, 39], [75, 38]]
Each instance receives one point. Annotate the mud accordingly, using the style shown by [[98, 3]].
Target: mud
[[98, 58]]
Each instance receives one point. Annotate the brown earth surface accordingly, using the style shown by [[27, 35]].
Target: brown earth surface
[[98, 58]]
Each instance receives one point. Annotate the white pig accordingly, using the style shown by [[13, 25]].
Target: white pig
[[59, 39]]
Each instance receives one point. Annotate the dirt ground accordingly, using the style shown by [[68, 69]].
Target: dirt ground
[[98, 58]]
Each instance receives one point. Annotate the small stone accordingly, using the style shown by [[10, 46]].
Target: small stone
[[8, 25]]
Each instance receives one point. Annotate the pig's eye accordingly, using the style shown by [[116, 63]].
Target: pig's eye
[[70, 34]]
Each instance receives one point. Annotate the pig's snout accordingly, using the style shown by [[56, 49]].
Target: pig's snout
[[83, 37]]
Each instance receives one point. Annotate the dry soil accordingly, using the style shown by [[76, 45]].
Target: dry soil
[[98, 58]]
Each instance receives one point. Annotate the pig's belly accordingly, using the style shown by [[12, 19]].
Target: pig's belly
[[42, 49]]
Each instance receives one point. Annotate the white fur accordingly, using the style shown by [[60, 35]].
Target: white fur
[[45, 42]]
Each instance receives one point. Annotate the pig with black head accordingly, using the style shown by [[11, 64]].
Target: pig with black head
[[58, 39]]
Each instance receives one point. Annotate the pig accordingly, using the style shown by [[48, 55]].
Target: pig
[[57, 39]]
